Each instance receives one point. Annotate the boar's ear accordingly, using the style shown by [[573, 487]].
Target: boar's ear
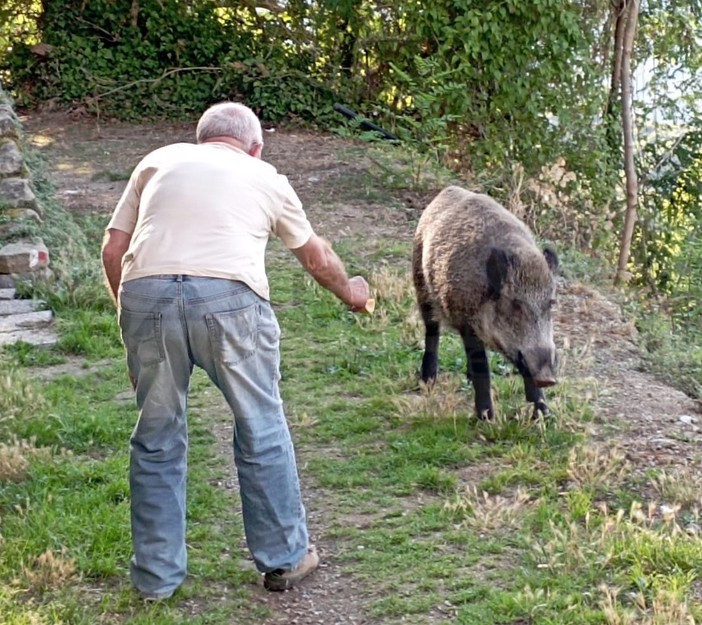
[[551, 259], [498, 265]]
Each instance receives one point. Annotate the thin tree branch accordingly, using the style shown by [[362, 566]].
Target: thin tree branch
[[154, 81], [643, 181]]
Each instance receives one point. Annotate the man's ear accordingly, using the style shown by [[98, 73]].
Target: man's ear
[[256, 150]]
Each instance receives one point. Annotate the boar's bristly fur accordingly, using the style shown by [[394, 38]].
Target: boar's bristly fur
[[477, 268]]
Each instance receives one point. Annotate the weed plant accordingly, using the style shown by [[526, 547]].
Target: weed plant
[[673, 352]]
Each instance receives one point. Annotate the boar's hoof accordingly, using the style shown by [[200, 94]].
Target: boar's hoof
[[427, 383], [485, 415], [540, 410]]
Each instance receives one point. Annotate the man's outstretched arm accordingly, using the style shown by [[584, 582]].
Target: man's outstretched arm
[[323, 264]]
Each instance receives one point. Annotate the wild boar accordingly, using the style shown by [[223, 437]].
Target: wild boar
[[477, 268]]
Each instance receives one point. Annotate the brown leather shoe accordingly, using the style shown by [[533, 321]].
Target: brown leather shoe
[[280, 579]]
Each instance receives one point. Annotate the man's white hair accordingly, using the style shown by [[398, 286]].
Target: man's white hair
[[230, 119]]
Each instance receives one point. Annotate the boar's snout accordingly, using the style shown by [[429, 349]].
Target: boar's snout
[[545, 381], [540, 366]]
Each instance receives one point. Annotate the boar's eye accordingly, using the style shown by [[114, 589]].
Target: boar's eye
[[517, 307]]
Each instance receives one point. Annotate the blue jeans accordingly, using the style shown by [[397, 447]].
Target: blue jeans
[[169, 324]]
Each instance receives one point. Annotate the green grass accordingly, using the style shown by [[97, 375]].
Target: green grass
[[435, 517], [501, 521]]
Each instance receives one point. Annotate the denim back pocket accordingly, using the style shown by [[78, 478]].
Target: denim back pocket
[[234, 334], [141, 335]]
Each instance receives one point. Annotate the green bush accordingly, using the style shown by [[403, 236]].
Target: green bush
[[162, 59]]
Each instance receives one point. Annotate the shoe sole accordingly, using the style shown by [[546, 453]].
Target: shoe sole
[[287, 581]]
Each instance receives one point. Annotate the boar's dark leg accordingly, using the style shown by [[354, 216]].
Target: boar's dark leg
[[536, 396], [533, 393], [430, 360], [478, 371]]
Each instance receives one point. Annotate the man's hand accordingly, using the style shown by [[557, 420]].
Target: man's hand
[[360, 294]]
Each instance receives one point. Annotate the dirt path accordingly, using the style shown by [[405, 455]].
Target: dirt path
[[657, 426]]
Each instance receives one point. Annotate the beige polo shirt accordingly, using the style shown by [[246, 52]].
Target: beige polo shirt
[[207, 210]]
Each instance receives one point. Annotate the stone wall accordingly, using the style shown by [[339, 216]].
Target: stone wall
[[23, 255]]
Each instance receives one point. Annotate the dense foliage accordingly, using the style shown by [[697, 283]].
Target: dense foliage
[[482, 85], [494, 79], [115, 55], [515, 95]]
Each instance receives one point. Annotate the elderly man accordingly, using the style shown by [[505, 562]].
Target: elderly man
[[184, 258]]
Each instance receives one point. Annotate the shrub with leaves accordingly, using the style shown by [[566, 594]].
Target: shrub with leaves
[[128, 58]]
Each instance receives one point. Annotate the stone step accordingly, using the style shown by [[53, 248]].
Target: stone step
[[25, 321], [19, 306], [7, 294], [41, 338]]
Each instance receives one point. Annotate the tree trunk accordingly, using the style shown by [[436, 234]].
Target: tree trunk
[[632, 190], [134, 13], [614, 87]]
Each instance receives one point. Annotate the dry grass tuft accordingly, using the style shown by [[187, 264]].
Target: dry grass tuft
[[49, 571], [17, 395], [681, 486], [302, 420], [412, 329], [597, 467], [484, 512], [441, 400], [393, 290], [606, 536], [666, 608], [391, 286], [575, 360], [15, 457]]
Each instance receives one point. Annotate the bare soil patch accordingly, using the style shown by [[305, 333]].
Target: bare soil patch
[[655, 425]]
